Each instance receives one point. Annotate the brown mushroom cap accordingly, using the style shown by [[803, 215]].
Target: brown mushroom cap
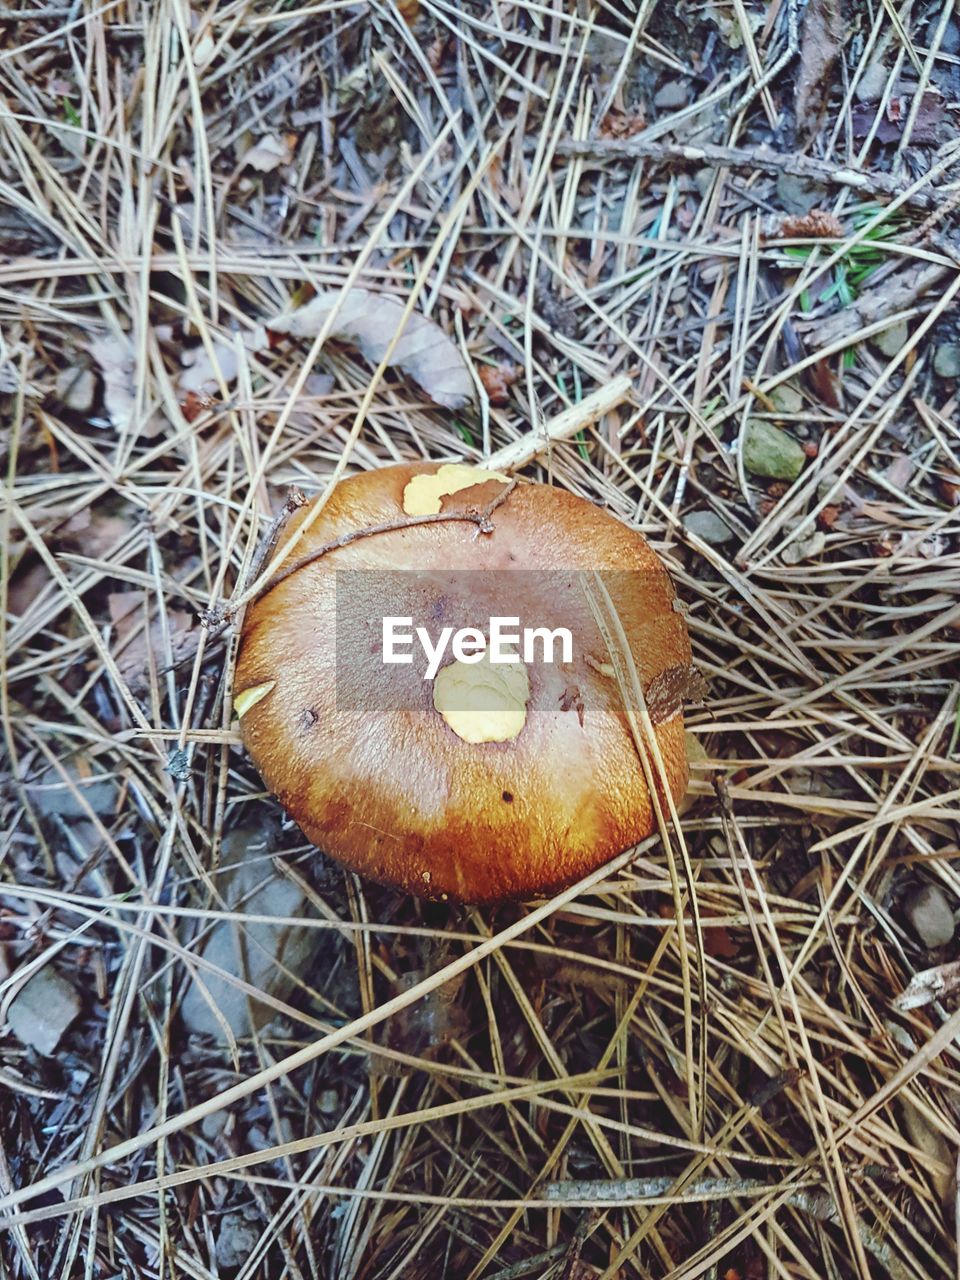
[[359, 754]]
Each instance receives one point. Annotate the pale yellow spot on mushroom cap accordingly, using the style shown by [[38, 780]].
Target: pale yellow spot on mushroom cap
[[250, 697], [423, 494], [483, 701]]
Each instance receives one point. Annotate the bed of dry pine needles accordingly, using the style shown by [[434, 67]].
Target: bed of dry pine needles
[[578, 1088]]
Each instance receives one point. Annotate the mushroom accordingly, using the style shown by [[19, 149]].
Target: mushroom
[[491, 781]]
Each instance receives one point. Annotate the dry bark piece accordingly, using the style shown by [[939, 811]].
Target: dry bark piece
[[823, 34], [370, 321], [929, 985], [377, 775], [807, 168]]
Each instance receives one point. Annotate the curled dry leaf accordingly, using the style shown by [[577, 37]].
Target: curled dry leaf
[[270, 152], [199, 374], [823, 33], [115, 360], [623, 124], [370, 321], [497, 380]]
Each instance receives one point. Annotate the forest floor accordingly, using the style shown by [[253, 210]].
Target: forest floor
[[750, 210]]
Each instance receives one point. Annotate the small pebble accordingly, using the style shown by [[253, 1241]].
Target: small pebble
[[213, 1125], [672, 95], [787, 398], [872, 83], [43, 1010], [236, 1240], [946, 360], [709, 527], [892, 340], [928, 913], [768, 451]]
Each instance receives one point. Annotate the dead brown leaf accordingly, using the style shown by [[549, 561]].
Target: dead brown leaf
[[823, 33], [194, 403], [370, 321], [132, 646], [931, 116], [497, 380], [940, 1160], [825, 383], [26, 586], [623, 124]]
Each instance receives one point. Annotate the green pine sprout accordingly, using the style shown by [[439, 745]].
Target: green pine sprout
[[859, 262]]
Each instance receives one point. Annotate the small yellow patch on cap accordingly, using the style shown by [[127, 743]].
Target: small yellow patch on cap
[[250, 697], [423, 494], [483, 702]]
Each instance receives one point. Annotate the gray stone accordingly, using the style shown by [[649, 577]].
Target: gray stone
[[768, 451], [946, 360], [213, 1125], [268, 956], [890, 341], [709, 527], [787, 398], [50, 795], [236, 1240], [43, 1009], [872, 83], [671, 96], [929, 915]]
